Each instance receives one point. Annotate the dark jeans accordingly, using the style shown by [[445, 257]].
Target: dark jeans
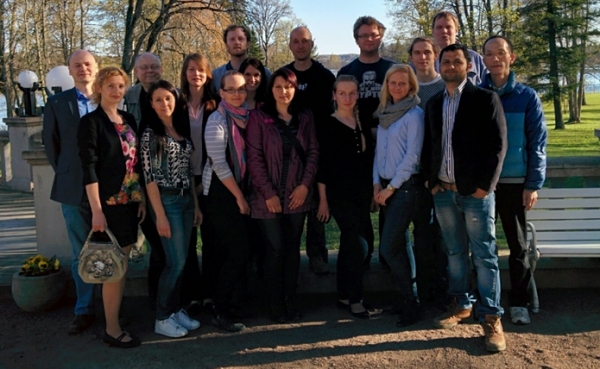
[[430, 254], [509, 206], [398, 213], [225, 246], [315, 237], [353, 218], [191, 282], [282, 237]]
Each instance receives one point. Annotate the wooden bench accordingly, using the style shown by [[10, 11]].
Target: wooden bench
[[565, 222]]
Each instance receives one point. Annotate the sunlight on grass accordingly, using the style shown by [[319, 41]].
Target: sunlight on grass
[[577, 139]]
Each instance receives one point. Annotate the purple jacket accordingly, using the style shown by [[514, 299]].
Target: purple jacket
[[265, 162]]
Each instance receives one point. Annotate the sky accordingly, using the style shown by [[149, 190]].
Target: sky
[[331, 21]]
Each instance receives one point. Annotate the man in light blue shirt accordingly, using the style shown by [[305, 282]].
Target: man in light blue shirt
[[61, 119]]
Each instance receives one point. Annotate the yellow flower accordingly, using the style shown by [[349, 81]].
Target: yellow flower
[[37, 259], [43, 265], [56, 264]]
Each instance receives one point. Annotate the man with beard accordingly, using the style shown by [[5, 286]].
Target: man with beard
[[463, 153], [236, 40]]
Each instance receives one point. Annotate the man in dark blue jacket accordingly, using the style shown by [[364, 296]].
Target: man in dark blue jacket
[[524, 166]]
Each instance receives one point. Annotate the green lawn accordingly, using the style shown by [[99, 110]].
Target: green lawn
[[577, 139]]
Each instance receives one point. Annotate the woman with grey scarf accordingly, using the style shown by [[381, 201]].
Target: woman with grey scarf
[[395, 184]]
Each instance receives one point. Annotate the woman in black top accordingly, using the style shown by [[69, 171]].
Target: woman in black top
[[345, 193]]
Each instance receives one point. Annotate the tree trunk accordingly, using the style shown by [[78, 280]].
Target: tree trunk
[[554, 77]]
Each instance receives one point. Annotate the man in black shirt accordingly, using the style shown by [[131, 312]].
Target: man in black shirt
[[315, 86]]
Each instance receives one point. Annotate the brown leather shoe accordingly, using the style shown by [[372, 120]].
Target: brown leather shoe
[[452, 317], [494, 334], [81, 323]]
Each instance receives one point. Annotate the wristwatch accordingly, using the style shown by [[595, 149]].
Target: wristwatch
[[390, 187]]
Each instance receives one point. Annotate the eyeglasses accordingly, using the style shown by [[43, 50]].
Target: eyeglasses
[[148, 67], [373, 36], [234, 91]]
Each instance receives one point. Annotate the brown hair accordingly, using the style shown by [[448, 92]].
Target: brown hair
[[209, 98], [232, 27], [102, 76], [369, 21], [426, 39], [447, 15]]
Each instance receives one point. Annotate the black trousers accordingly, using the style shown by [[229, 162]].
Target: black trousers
[[509, 206], [353, 218], [225, 246], [429, 251], [157, 255], [282, 237], [316, 246]]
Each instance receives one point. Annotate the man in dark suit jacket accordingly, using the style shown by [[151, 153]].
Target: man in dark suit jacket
[[61, 119], [463, 152]]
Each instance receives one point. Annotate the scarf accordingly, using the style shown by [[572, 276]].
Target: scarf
[[392, 112], [236, 141]]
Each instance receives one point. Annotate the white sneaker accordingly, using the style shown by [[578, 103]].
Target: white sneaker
[[170, 328], [519, 315], [185, 321]]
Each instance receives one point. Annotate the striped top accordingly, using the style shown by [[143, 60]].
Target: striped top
[[216, 137], [451, 102]]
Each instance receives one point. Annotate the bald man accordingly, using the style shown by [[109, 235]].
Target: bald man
[[315, 86], [61, 119]]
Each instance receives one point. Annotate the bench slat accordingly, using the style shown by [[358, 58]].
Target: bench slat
[[566, 225], [570, 249], [572, 237], [568, 192], [563, 214], [577, 203]]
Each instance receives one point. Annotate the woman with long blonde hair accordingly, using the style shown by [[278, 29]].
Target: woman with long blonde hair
[[395, 176]]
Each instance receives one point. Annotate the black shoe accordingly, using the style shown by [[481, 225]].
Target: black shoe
[[368, 314], [291, 310], [118, 342], [226, 324], [81, 323], [409, 314], [342, 305]]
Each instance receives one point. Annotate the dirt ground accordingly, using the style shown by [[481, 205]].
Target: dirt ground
[[566, 334]]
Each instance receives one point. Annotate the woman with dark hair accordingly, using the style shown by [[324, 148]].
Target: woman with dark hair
[[166, 153], [108, 150], [395, 177], [282, 159], [224, 181], [345, 172], [256, 82], [200, 102]]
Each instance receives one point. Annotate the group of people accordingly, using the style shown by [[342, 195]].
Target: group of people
[[248, 156]]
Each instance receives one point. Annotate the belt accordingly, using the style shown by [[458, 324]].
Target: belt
[[449, 186], [174, 191]]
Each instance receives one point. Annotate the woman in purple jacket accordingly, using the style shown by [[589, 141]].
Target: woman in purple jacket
[[282, 160]]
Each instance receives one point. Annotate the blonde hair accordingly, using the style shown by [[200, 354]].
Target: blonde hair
[[352, 79], [385, 98], [102, 76]]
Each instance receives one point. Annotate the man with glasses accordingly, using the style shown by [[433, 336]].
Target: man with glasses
[[369, 69]]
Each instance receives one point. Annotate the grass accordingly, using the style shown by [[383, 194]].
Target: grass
[[577, 139]]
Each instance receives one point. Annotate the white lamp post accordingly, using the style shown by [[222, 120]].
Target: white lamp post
[[28, 83], [58, 80]]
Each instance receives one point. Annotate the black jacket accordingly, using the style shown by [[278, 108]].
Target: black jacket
[[478, 140], [101, 153]]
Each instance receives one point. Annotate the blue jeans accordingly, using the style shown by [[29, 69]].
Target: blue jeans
[[79, 221], [398, 214], [180, 213], [466, 221]]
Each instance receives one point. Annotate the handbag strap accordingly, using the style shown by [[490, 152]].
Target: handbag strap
[[285, 129], [112, 237]]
